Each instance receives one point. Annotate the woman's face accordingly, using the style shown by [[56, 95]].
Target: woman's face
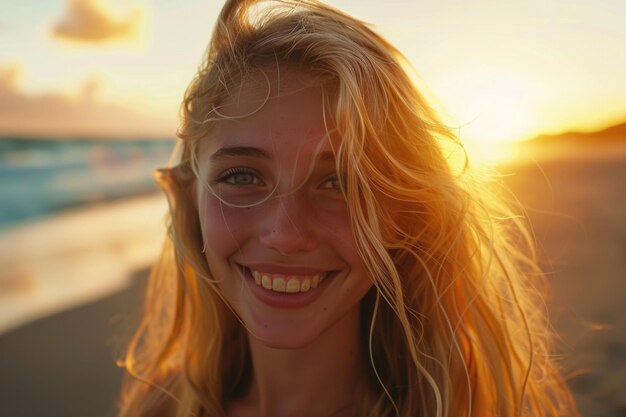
[[287, 265]]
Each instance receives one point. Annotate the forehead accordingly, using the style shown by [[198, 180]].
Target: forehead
[[268, 85], [275, 109]]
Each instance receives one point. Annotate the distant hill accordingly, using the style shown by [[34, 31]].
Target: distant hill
[[608, 142], [611, 134]]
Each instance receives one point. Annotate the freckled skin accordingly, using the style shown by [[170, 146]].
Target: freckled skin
[[305, 224]]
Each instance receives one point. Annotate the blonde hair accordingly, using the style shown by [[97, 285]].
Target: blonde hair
[[454, 325]]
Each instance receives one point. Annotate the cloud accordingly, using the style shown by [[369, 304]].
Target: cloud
[[88, 21], [55, 114]]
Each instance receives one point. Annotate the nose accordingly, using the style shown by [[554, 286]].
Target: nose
[[288, 226]]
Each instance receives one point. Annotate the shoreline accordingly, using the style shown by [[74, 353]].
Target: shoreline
[[76, 256]]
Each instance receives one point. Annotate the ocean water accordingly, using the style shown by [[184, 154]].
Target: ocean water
[[42, 176]]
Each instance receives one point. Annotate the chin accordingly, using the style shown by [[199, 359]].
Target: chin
[[327, 327], [277, 335]]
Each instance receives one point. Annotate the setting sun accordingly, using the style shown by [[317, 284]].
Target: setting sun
[[492, 110], [496, 106]]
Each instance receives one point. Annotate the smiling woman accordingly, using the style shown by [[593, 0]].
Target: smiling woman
[[322, 258], [287, 263]]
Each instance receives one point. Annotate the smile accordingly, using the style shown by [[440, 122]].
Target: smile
[[284, 280], [287, 283]]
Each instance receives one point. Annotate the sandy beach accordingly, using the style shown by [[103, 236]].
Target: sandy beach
[[64, 364], [577, 206]]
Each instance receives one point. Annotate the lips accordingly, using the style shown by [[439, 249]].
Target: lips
[[278, 279]]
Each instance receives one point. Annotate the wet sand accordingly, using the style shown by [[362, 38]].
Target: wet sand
[[63, 365]]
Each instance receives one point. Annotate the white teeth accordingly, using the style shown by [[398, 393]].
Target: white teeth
[[267, 282], [278, 284], [293, 285], [288, 284], [315, 281]]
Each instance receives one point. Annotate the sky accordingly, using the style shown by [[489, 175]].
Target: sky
[[499, 71]]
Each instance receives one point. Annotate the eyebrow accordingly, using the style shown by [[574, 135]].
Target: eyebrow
[[326, 156], [239, 151], [231, 151]]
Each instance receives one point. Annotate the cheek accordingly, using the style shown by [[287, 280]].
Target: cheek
[[223, 226], [336, 228], [224, 232], [340, 234]]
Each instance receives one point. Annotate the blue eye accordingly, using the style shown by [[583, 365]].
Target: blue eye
[[240, 177]]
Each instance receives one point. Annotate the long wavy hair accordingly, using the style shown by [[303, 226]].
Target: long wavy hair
[[454, 325]]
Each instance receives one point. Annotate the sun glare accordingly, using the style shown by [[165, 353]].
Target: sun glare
[[492, 111]]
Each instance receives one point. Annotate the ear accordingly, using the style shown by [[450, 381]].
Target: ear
[[177, 182], [166, 179], [179, 176]]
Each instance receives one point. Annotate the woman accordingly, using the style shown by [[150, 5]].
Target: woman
[[322, 257]]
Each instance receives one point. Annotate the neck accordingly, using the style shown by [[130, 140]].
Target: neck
[[320, 378]]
